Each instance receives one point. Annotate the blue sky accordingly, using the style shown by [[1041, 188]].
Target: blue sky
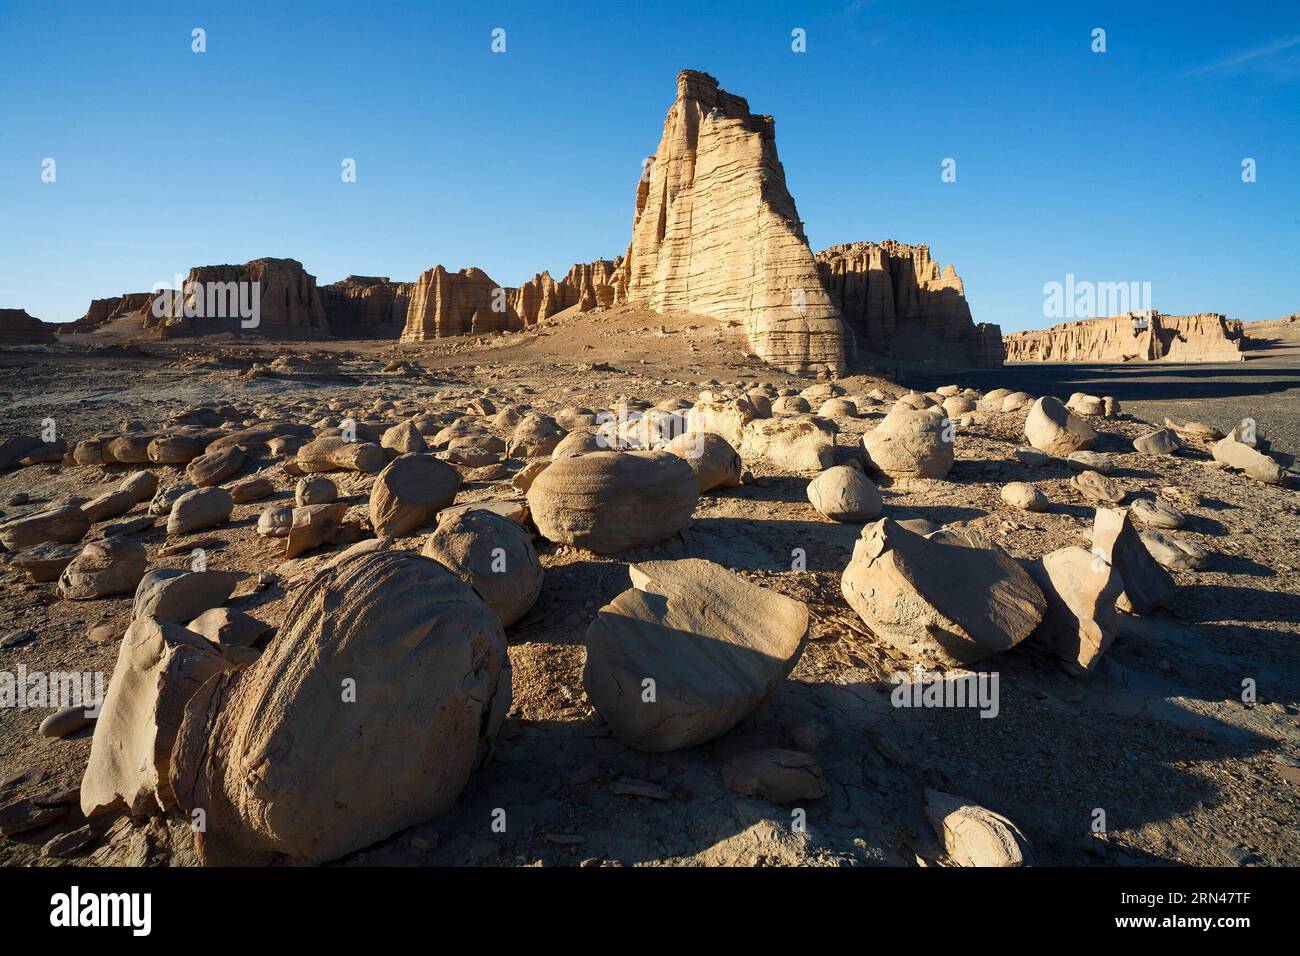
[[1115, 166]]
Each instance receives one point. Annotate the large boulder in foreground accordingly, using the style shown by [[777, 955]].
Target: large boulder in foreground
[[1053, 428], [943, 599], [493, 555], [713, 645], [911, 442], [1081, 589], [844, 493], [365, 716], [104, 568], [610, 501], [159, 667], [409, 492], [56, 525]]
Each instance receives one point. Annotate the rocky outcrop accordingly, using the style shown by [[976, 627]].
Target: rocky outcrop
[[366, 306], [898, 302], [222, 299], [1132, 337], [716, 232], [105, 311], [588, 285], [453, 303], [17, 327]]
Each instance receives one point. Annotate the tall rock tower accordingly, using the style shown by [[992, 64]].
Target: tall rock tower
[[716, 232]]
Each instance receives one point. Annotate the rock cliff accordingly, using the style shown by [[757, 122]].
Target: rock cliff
[[1132, 337], [715, 231], [452, 303], [366, 305], [104, 311], [17, 327], [220, 298], [588, 285], [897, 302]]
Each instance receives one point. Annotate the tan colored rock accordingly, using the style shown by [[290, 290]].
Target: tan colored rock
[[102, 569], [1174, 553], [1053, 428], [1148, 337], [111, 504], [1022, 495], [315, 490], [62, 525], [899, 302], [911, 442], [1157, 513], [611, 501], [252, 488], [275, 521], [159, 667], [142, 485], [332, 453], [536, 436], [715, 463], [404, 438], [525, 476], [716, 233], [725, 417], [1163, 441], [446, 303], [428, 659], [176, 596], [793, 443], [1147, 585], [844, 493], [200, 508], [1097, 487], [973, 835], [939, 599], [214, 467], [44, 562], [1254, 464], [229, 627], [713, 645], [1081, 589], [494, 556], [312, 526], [175, 449], [410, 492]]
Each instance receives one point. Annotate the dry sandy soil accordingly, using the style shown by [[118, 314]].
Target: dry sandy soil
[[1159, 738]]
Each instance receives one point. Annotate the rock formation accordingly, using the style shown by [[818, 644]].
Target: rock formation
[[17, 327], [1132, 337], [210, 300], [898, 302], [104, 311], [716, 232], [366, 306], [452, 303], [588, 285]]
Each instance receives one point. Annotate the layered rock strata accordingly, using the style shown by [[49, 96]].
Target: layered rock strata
[[1132, 337]]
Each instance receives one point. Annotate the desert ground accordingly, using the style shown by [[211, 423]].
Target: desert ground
[[1158, 737]]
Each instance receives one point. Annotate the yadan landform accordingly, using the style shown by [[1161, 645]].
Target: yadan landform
[[722, 550]]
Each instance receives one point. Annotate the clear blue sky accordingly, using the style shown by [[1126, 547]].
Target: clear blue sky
[[1116, 166]]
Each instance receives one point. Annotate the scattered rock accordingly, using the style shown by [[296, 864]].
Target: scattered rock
[[1147, 585], [494, 556], [973, 835], [911, 442], [1162, 441], [198, 509], [782, 776], [409, 492], [1020, 494], [844, 493], [1053, 428], [1082, 589], [104, 568]]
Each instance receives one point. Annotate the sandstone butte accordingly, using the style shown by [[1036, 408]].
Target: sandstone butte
[[715, 232], [1204, 337], [897, 302]]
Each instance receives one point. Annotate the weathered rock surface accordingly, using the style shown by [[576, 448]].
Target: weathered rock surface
[[212, 298], [1081, 590], [159, 667], [494, 556], [332, 453], [313, 525], [716, 464], [973, 835], [800, 443], [844, 493], [1204, 337], [1162, 441], [409, 492], [714, 646], [911, 442], [716, 232], [1238, 455], [62, 525], [454, 303], [1147, 585], [102, 569], [939, 599], [332, 774], [200, 508], [1053, 428], [899, 303], [610, 501], [176, 596], [1021, 494]]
